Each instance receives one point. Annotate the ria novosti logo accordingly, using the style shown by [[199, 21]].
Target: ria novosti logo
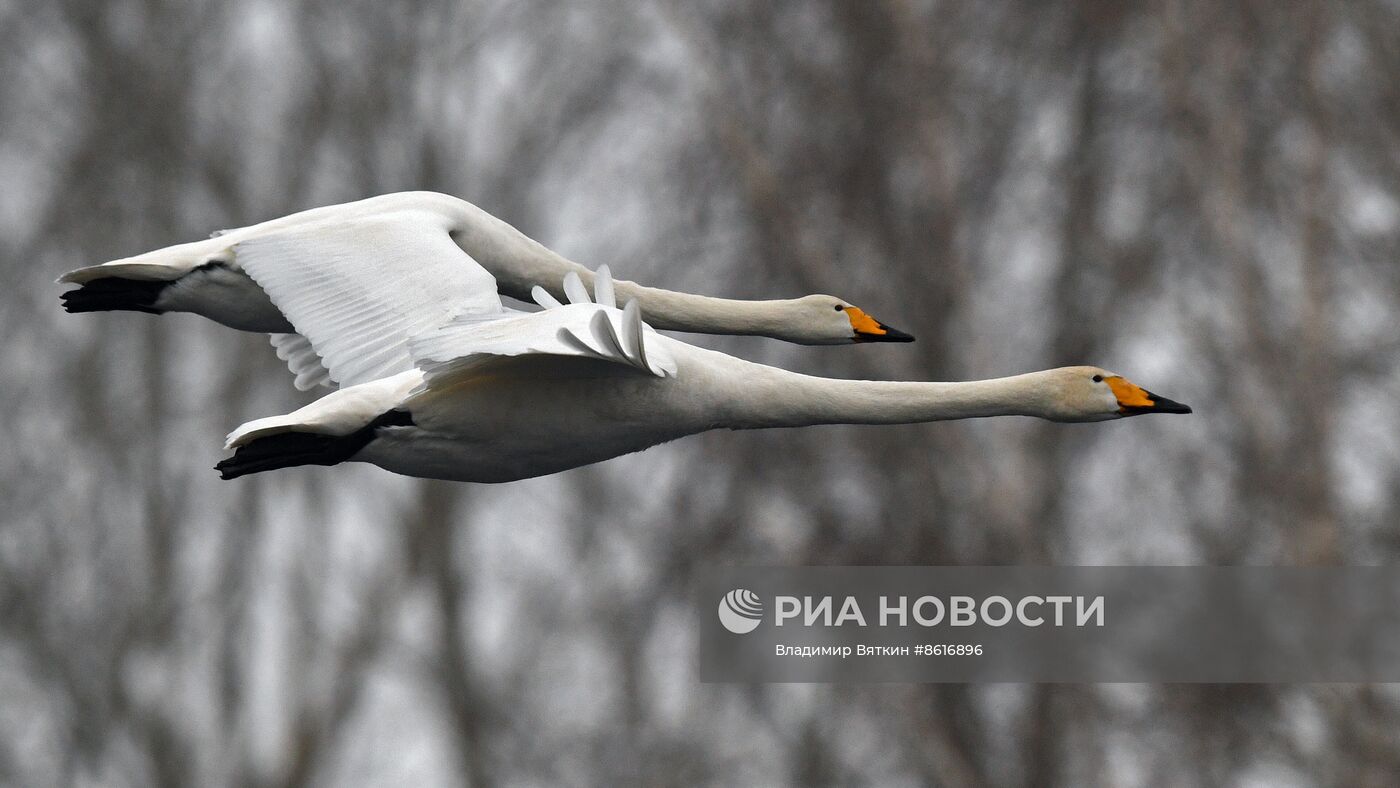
[[740, 611]]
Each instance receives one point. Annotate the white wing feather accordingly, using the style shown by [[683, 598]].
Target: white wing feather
[[574, 289], [543, 298], [338, 413], [359, 289], [588, 330], [469, 343], [603, 287], [634, 335], [302, 360]]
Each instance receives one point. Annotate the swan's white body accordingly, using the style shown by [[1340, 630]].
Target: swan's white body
[[499, 429], [530, 394], [395, 243]]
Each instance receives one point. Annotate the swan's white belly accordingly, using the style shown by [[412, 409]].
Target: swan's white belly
[[495, 430]]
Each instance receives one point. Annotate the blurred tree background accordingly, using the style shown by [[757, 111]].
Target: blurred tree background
[[1202, 196]]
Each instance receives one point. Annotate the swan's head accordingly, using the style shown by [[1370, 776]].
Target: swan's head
[[1093, 394], [828, 320]]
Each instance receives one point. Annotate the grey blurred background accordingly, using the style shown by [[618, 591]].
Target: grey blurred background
[[1202, 196]]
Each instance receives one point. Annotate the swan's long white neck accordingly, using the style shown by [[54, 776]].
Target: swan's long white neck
[[768, 397], [674, 311], [519, 263]]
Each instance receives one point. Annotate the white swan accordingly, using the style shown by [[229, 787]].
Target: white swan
[[533, 394], [398, 247]]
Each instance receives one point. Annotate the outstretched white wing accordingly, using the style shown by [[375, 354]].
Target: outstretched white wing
[[358, 289], [581, 329]]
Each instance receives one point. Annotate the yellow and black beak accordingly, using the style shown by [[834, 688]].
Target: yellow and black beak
[[1134, 400], [868, 329]]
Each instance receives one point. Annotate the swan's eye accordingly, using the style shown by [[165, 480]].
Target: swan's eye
[[1098, 378], [839, 307]]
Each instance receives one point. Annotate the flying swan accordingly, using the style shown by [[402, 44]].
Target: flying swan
[[399, 248], [496, 397]]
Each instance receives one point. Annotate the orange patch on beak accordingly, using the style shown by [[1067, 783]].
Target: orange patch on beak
[[868, 329], [1129, 395], [863, 323]]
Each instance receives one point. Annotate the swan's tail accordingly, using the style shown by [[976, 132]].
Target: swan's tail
[[284, 445]]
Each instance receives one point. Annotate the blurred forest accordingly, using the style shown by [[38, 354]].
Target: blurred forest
[[1202, 196]]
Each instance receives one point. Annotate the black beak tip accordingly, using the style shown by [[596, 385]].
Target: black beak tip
[[890, 335], [1164, 405], [1159, 405]]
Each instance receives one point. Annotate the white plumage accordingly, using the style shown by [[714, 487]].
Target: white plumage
[[358, 290], [391, 299], [580, 330], [521, 395], [399, 264]]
